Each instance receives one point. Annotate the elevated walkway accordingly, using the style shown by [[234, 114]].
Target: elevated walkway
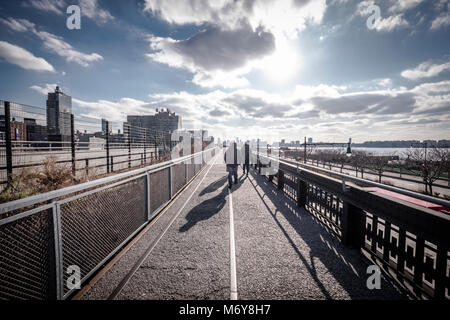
[[279, 250]]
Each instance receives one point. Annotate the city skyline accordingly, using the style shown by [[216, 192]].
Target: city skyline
[[291, 68]]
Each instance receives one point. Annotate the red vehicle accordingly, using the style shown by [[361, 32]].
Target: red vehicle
[[421, 203]]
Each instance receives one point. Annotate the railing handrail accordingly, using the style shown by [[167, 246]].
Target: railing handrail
[[347, 177], [39, 198]]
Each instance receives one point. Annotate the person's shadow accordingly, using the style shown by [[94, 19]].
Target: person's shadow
[[209, 207]]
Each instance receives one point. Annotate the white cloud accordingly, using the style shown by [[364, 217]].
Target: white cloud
[[390, 23], [325, 110], [286, 16], [44, 90], [89, 8], [384, 82], [19, 25], [57, 45], [403, 5], [115, 111], [53, 6], [92, 10], [425, 70], [215, 56], [237, 37], [53, 43], [23, 58], [442, 20]]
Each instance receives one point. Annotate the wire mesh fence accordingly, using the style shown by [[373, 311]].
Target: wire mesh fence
[[43, 237], [85, 145]]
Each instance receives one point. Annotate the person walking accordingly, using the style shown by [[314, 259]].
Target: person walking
[[231, 159], [246, 164]]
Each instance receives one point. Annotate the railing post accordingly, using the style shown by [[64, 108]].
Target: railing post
[[9, 166], [112, 163], [147, 197], [156, 147], [145, 145], [86, 167], [107, 147], [280, 185], [72, 144], [304, 152], [301, 193], [352, 225], [170, 183], [129, 147], [441, 268], [56, 259], [185, 172]]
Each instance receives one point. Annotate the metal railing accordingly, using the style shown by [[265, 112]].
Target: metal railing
[[410, 243], [44, 236], [89, 146]]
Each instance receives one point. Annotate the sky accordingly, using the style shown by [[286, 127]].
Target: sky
[[281, 69]]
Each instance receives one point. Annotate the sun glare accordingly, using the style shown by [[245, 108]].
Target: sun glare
[[283, 64]]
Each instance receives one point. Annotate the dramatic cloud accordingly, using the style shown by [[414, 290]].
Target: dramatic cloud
[[324, 110], [53, 43], [23, 58], [214, 52], [236, 37], [425, 70], [367, 103], [285, 16]]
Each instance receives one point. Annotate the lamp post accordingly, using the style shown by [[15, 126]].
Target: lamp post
[[349, 148], [304, 152]]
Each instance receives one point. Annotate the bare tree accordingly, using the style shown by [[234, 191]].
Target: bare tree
[[430, 162], [378, 164], [359, 159]]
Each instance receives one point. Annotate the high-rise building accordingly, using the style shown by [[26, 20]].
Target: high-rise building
[[59, 109], [165, 121], [104, 123]]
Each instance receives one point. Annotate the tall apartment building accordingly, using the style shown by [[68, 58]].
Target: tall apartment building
[[163, 121], [59, 109]]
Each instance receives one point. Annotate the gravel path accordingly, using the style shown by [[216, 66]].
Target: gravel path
[[281, 252]]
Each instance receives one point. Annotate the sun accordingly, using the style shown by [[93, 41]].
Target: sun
[[283, 64]]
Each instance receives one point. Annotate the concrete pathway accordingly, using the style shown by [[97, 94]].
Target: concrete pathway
[[279, 252]]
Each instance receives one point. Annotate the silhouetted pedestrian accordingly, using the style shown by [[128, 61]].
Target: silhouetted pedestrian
[[231, 159], [246, 164]]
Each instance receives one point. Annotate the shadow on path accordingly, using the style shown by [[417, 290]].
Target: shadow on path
[[345, 265], [211, 206]]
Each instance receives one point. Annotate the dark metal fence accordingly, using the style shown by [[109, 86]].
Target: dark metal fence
[[410, 243], [82, 225], [91, 147]]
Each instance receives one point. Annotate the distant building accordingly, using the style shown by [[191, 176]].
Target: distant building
[[18, 129], [104, 125], [163, 121], [59, 109], [310, 140], [35, 132]]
